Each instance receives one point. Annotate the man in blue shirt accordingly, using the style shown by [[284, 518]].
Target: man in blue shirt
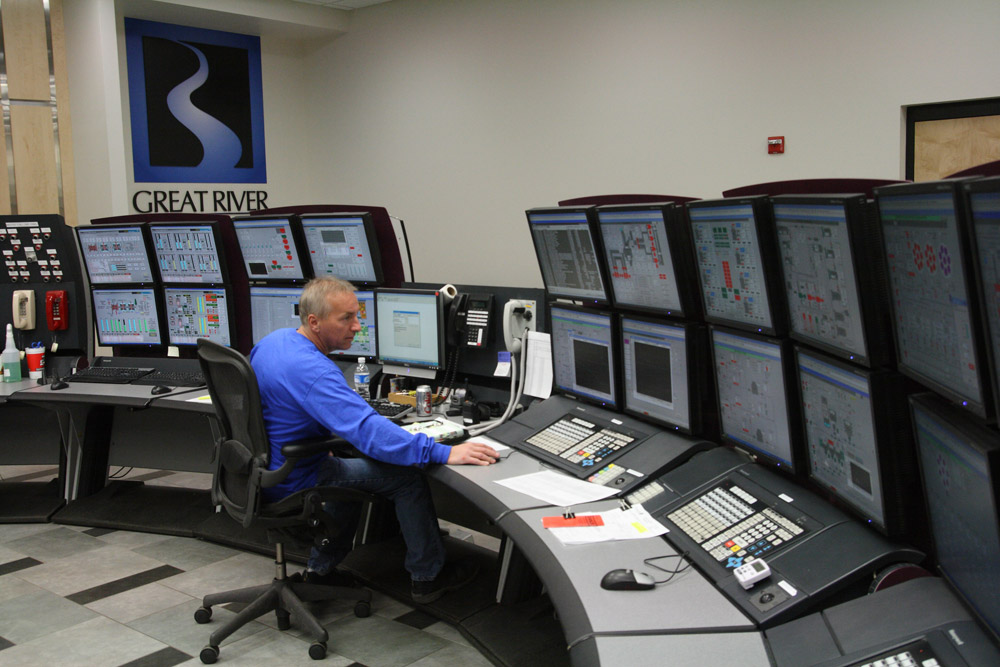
[[304, 395]]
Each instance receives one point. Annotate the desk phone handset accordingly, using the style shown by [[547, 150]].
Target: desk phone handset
[[470, 320]]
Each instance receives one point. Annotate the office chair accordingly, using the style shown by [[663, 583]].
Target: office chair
[[241, 458]]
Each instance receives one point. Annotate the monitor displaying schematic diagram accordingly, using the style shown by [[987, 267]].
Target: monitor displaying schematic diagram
[[115, 254], [569, 254], [193, 313], [343, 245], [127, 317], [188, 252], [270, 248], [273, 308]]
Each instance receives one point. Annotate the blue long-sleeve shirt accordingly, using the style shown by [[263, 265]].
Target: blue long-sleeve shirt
[[304, 395]]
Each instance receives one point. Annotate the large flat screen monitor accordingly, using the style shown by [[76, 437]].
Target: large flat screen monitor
[[270, 248], [198, 312], [663, 369], [127, 317], [757, 412], [935, 311], [273, 308], [365, 341], [647, 250], [343, 245], [835, 281], [585, 354], [737, 264], [984, 205], [188, 252], [116, 254], [960, 465], [409, 328], [568, 248]]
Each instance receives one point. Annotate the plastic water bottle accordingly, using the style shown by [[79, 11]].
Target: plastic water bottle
[[361, 377], [11, 359]]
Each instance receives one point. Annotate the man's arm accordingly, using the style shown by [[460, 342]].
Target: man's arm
[[472, 453]]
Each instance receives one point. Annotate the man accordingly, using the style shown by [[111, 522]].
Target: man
[[304, 395]]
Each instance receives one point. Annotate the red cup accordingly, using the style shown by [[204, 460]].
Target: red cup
[[36, 362]]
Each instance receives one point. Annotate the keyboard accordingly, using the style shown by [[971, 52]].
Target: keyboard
[[109, 374], [389, 409], [733, 526], [915, 654], [172, 379], [580, 446]]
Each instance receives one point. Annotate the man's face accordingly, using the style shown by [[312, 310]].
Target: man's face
[[336, 330]]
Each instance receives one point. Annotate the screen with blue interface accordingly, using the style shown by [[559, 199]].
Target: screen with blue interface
[[958, 465], [340, 246], [935, 334], [567, 254], [273, 308], [640, 265], [409, 328], [115, 254], [986, 225], [194, 313], [753, 398], [730, 265], [126, 317], [655, 368], [583, 354], [187, 253], [269, 249], [364, 340]]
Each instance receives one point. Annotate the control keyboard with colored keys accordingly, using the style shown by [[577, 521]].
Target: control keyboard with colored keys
[[581, 447]]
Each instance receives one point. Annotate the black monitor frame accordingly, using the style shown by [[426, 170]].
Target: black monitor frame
[[792, 411], [766, 241], [220, 251], [409, 367], [869, 273], [82, 231], [677, 238], [230, 312], [371, 238], [953, 188], [130, 349], [553, 308], [559, 292], [299, 244], [895, 463]]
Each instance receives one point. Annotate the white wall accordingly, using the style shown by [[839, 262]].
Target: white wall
[[459, 114]]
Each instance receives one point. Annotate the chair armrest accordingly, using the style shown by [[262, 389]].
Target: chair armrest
[[295, 452]]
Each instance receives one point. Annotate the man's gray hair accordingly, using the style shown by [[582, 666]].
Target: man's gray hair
[[314, 299]]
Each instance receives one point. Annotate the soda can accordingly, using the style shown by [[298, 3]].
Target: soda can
[[424, 399]]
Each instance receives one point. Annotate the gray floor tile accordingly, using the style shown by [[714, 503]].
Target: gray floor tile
[[88, 569], [452, 655], [239, 571], [35, 614], [14, 531], [53, 544], [12, 586], [99, 641], [139, 602], [185, 553], [449, 632], [271, 647], [176, 627], [379, 642]]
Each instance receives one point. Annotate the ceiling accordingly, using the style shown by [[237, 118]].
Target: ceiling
[[343, 4]]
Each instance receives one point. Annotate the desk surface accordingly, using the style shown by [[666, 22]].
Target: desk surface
[[745, 649], [97, 393], [7, 389]]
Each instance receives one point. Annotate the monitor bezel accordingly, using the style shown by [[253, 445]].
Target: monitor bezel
[[767, 242], [147, 245], [158, 306], [616, 359], [219, 250], [983, 409], [868, 265], [368, 224], [409, 368], [678, 236], [789, 376], [298, 239], [230, 312], [553, 292]]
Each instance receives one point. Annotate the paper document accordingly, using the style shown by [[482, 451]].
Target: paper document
[[618, 524], [538, 375], [498, 446], [556, 488]]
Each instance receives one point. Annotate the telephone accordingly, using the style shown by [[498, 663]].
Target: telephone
[[57, 310], [518, 317], [469, 320], [24, 309]]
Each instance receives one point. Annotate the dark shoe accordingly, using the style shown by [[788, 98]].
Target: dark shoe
[[452, 576], [331, 578]]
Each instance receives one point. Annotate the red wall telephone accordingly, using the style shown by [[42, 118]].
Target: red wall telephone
[[57, 310]]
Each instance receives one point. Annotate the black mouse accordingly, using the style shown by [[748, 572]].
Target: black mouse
[[627, 580], [160, 389], [59, 384]]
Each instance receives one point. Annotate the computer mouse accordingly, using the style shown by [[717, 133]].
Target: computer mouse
[[59, 384], [160, 389], [627, 580]]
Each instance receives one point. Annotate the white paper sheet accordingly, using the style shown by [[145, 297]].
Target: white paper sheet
[[634, 523], [538, 375], [556, 488]]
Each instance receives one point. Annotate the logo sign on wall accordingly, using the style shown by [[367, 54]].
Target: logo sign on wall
[[196, 102]]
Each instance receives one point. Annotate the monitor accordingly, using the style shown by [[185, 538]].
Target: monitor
[[585, 354], [115, 254], [273, 308], [935, 311], [835, 281], [365, 341], [198, 312], [663, 365], [736, 261], [755, 393], [127, 317], [188, 252], [960, 466], [568, 246], [270, 248], [984, 205], [858, 438], [343, 245], [647, 250], [409, 327]]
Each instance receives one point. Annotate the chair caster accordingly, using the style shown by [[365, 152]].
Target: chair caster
[[317, 651], [209, 655], [362, 609], [284, 620], [203, 615]]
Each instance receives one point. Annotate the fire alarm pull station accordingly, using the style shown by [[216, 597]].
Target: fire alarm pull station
[[775, 145]]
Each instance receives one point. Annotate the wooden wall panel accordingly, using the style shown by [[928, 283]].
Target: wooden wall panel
[[943, 147], [26, 50], [35, 173], [65, 127], [4, 173]]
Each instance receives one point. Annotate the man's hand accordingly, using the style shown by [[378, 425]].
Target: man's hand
[[472, 453]]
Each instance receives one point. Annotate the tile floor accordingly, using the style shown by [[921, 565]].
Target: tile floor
[[73, 595]]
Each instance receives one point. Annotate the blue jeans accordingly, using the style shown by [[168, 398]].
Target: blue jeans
[[406, 488]]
